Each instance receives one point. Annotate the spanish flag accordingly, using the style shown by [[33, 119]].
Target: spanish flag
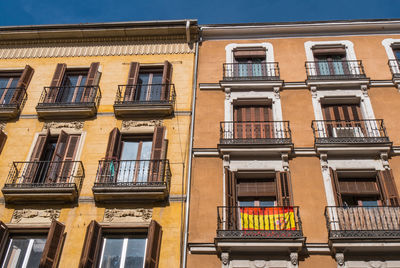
[[270, 218]]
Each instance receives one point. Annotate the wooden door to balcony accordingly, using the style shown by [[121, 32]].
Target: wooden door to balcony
[[253, 122], [344, 120]]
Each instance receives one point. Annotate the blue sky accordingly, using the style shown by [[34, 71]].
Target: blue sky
[[32, 12]]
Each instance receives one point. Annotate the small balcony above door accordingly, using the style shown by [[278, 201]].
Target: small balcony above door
[[255, 137], [69, 101], [145, 100], [132, 180], [43, 182], [251, 74], [334, 72], [367, 135]]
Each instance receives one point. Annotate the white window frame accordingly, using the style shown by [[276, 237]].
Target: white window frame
[[123, 253], [387, 44], [27, 255]]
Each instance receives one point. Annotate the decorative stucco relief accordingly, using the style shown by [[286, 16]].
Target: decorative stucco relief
[[128, 215], [75, 125], [35, 215], [128, 124]]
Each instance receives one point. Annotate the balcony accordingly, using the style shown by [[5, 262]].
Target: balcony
[[259, 228], [44, 181], [363, 222], [253, 136], [70, 102], [132, 180], [11, 102], [340, 135], [394, 66], [256, 75], [335, 72], [367, 228], [145, 100]]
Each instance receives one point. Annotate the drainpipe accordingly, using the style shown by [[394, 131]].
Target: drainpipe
[[189, 175], [188, 31]]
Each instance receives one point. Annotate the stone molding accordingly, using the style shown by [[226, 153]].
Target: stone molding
[[35, 215], [128, 215], [75, 125], [128, 124]]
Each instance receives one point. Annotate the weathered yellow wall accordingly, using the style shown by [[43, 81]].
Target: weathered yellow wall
[[114, 72]]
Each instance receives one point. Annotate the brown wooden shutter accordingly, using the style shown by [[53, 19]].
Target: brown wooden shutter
[[22, 84], [36, 155], [158, 154], [153, 245], [56, 82], [335, 187], [58, 155], [92, 81], [3, 138], [133, 76], [284, 188], [329, 49], [114, 145], [69, 156], [3, 237], [166, 80], [230, 188], [52, 249], [91, 246], [256, 187], [250, 52], [357, 186], [389, 188]]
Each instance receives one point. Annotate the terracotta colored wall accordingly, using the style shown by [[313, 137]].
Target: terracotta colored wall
[[205, 197]]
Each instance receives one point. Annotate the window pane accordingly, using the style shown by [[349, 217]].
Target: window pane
[[36, 253], [267, 203], [135, 252], [112, 250], [16, 253], [246, 203], [145, 165], [4, 82]]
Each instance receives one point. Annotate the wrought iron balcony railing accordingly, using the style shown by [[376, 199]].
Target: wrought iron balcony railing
[[12, 97], [46, 174], [259, 222], [363, 222], [395, 68], [146, 94], [349, 131], [255, 132], [251, 71], [133, 173], [335, 69], [70, 96]]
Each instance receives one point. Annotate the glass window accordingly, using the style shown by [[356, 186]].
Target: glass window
[[24, 252], [149, 86], [7, 88], [134, 164], [73, 86], [119, 252]]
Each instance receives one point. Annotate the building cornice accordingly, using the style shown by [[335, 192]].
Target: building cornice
[[299, 29]]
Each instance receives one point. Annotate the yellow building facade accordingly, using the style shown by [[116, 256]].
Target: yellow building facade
[[130, 196]]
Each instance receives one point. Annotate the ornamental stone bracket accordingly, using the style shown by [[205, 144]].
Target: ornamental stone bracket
[[129, 124], [277, 92], [226, 160], [227, 93], [385, 160], [364, 90], [139, 215], [225, 259], [74, 125], [324, 162], [32, 216], [314, 92], [285, 161], [294, 258], [339, 259]]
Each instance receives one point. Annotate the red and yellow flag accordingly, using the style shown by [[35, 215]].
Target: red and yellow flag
[[270, 218]]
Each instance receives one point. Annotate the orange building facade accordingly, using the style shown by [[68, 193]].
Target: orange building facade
[[296, 146]]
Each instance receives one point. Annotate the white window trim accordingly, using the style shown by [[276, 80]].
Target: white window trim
[[387, 45], [350, 53], [268, 46]]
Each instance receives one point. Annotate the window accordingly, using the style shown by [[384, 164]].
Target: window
[[330, 59], [364, 188], [25, 250], [52, 159], [13, 85], [253, 122], [134, 158], [73, 85], [148, 83], [250, 62], [108, 247]]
